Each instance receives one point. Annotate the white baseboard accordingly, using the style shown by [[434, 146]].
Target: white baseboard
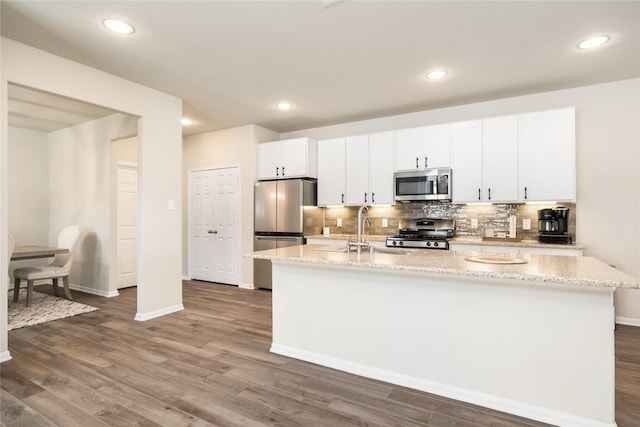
[[629, 321], [93, 291], [186, 277], [489, 401], [246, 286], [5, 356], [158, 313]]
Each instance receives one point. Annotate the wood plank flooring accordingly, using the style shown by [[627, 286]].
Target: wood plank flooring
[[210, 365]]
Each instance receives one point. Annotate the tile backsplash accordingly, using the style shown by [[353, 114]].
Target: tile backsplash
[[495, 217]]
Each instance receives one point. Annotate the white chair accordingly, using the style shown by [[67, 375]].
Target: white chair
[[58, 269]]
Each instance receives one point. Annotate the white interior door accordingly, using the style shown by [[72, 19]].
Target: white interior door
[[127, 275], [214, 231]]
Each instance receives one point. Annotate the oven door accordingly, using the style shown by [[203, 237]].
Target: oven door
[[429, 184]]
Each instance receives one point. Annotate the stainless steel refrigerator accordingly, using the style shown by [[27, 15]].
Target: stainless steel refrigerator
[[281, 219]]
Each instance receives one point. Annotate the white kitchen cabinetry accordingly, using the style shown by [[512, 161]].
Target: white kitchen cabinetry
[[357, 168], [291, 158], [500, 159], [422, 148], [546, 156], [331, 172], [369, 168], [466, 161]]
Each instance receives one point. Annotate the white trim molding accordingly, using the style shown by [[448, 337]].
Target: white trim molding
[[93, 291], [629, 321], [5, 356], [158, 313]]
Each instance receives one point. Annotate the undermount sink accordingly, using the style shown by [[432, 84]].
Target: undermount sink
[[496, 259]]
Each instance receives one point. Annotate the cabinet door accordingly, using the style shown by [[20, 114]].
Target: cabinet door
[[500, 159], [408, 149], [466, 161], [435, 146], [357, 171], [546, 156], [268, 156], [293, 158], [331, 172], [381, 168]]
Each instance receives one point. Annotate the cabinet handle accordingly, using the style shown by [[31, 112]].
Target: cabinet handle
[[365, 197], [277, 171], [489, 194], [417, 165], [525, 193], [425, 161], [479, 194], [342, 198], [283, 171], [373, 197]]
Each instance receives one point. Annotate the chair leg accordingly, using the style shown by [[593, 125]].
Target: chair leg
[[65, 281], [54, 282], [16, 289], [29, 291]]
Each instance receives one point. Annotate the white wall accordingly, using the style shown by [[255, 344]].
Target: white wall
[[236, 146], [160, 165], [28, 183], [607, 156], [80, 193]]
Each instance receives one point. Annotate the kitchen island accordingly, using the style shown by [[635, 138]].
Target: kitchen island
[[533, 339]]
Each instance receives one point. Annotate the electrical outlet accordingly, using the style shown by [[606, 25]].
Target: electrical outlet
[[526, 223], [474, 222], [339, 222], [385, 222]]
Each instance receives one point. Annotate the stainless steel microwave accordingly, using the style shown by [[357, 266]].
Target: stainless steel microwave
[[420, 185]]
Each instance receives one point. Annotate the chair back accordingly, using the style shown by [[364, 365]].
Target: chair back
[[68, 239]]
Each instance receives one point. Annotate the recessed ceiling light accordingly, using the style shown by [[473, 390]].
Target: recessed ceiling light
[[284, 106], [593, 42], [118, 26], [185, 121], [436, 74]]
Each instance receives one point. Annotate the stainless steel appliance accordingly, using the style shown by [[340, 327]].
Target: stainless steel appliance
[[428, 184], [427, 233], [553, 225], [285, 211]]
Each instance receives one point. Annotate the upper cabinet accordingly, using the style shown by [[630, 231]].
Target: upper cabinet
[[500, 159], [291, 158], [331, 172], [369, 166], [422, 148], [355, 171], [546, 156], [466, 166]]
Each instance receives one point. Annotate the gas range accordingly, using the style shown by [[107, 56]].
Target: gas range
[[425, 233]]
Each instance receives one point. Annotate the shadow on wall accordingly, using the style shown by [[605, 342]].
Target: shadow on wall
[[86, 269]]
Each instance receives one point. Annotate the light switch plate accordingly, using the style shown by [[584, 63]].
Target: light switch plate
[[385, 222], [474, 222], [526, 223], [339, 222], [171, 204]]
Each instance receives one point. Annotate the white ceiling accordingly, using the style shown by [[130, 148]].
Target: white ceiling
[[231, 61]]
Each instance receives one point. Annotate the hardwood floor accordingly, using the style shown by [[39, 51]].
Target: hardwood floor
[[210, 365]]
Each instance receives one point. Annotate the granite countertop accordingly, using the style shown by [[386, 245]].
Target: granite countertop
[[550, 269], [461, 241]]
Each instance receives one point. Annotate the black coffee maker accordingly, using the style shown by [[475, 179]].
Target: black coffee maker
[[553, 225]]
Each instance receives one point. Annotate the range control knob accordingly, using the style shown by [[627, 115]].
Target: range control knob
[[401, 243], [435, 244], [428, 244], [395, 243]]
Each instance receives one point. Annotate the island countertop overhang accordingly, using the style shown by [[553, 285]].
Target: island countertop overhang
[[544, 269]]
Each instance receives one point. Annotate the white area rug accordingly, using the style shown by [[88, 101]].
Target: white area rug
[[44, 308]]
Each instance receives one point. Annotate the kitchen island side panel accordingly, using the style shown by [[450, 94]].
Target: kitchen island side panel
[[542, 352]]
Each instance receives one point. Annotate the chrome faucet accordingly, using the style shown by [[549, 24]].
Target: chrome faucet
[[360, 242]]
